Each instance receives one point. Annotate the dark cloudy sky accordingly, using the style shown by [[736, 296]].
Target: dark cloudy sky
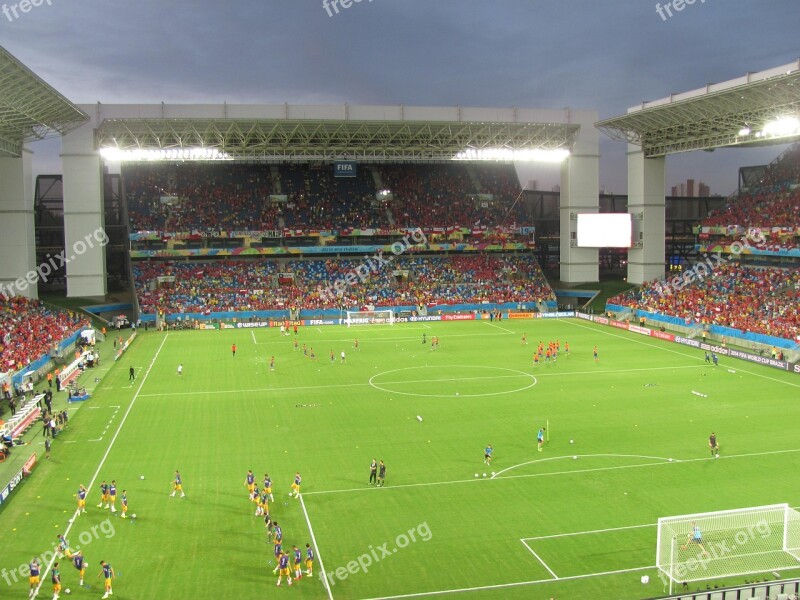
[[604, 55]]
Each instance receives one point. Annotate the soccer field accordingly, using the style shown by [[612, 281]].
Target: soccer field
[[575, 520]]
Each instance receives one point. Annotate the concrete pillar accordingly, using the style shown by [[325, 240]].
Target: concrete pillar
[[18, 276], [84, 232], [580, 193], [647, 204]]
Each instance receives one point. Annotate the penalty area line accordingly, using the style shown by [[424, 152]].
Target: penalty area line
[[539, 558], [499, 586]]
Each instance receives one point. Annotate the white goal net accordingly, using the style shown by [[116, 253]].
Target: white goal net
[[370, 317], [728, 543]]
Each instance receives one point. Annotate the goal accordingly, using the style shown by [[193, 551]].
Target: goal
[[369, 317], [728, 543]]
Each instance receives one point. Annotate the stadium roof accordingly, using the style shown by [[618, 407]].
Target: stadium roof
[[732, 113], [287, 132], [29, 108]]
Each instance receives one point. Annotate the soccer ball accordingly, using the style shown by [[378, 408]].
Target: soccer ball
[[67, 591], [476, 474], [572, 441], [574, 458], [133, 516], [141, 476], [484, 474], [492, 473]]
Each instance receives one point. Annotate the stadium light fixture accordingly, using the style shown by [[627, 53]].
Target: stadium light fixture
[[161, 154], [744, 131], [785, 126], [510, 155]]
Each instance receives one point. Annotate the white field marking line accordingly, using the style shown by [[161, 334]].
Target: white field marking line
[[102, 461], [395, 339], [318, 329], [572, 472], [595, 372], [508, 585], [684, 354], [427, 326], [560, 535], [457, 379], [498, 326], [253, 333], [280, 389], [539, 558], [317, 555], [538, 460]]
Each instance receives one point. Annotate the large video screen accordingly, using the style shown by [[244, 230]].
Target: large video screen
[[607, 230]]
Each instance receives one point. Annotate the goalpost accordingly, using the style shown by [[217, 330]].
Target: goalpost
[[369, 317], [728, 543]]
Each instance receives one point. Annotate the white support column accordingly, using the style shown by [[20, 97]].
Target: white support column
[[647, 204], [17, 240], [83, 214], [580, 193]]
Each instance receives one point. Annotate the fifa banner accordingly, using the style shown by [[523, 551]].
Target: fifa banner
[[748, 356], [344, 168], [17, 478]]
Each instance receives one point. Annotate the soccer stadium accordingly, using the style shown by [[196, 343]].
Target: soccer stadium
[[345, 350]]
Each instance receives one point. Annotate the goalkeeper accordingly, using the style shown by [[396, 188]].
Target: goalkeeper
[[695, 537]]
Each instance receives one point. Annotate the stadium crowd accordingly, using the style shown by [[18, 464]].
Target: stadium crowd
[[773, 203], [231, 197], [243, 285], [751, 299], [29, 330]]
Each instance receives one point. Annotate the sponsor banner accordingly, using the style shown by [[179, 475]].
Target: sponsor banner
[[662, 335], [796, 368], [762, 360], [618, 324], [522, 315], [427, 318], [344, 168], [324, 321], [637, 329], [687, 342], [585, 317], [226, 326], [9, 487], [602, 320], [208, 326], [467, 317], [124, 347], [257, 324], [716, 349], [557, 315], [29, 464]]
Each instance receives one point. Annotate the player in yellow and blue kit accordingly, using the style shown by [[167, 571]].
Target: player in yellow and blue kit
[[103, 494], [55, 577], [108, 576], [81, 499], [63, 546], [79, 563], [298, 562], [250, 483], [309, 560], [487, 454], [268, 487], [33, 577], [124, 502], [112, 496], [277, 539], [177, 485], [296, 485], [283, 568]]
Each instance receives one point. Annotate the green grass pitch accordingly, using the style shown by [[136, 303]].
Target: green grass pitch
[[547, 525]]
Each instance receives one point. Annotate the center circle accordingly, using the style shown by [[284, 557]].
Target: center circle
[[451, 380]]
